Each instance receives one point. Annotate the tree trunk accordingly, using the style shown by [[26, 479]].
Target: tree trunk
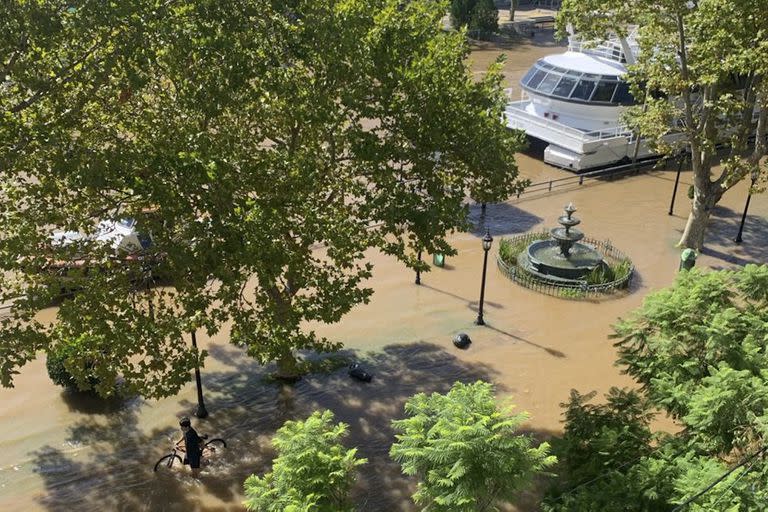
[[288, 367], [703, 202]]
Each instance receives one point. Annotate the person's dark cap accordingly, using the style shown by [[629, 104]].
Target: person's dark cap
[[184, 422]]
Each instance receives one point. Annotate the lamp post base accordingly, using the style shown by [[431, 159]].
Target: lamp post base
[[479, 321], [201, 411]]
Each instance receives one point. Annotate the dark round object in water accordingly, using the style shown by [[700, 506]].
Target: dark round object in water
[[358, 372], [461, 340]]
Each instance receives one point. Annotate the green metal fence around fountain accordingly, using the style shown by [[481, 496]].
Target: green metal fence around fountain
[[568, 289]]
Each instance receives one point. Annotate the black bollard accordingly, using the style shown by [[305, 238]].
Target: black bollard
[[462, 341]]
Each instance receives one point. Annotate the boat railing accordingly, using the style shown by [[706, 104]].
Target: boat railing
[[516, 109], [610, 49]]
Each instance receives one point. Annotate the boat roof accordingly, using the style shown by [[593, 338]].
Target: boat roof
[[585, 63]]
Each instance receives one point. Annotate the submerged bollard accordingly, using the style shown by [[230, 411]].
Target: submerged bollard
[[461, 340]]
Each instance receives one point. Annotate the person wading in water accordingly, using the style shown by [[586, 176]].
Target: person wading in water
[[192, 444]]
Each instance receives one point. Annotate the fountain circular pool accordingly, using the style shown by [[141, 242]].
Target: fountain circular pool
[[545, 257]]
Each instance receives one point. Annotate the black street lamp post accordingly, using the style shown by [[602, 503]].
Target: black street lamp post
[[418, 271], [201, 412], [753, 177], [677, 181], [487, 241]]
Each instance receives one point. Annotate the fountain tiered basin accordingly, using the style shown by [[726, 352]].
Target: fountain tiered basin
[[563, 262], [564, 256]]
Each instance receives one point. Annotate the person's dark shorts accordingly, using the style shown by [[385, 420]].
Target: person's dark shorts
[[193, 460]]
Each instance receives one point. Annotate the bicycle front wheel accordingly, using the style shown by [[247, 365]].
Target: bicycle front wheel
[[166, 461]]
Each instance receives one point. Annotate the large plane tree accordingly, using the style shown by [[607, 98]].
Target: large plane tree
[[700, 77], [265, 146]]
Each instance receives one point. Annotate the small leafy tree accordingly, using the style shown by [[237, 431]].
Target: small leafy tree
[[480, 16], [461, 12], [603, 436], [698, 350], [312, 472], [465, 450], [485, 19], [604, 456]]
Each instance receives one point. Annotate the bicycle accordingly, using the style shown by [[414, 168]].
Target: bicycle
[[209, 448]]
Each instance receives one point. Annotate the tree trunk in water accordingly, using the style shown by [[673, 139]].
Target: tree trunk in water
[[288, 367], [693, 236]]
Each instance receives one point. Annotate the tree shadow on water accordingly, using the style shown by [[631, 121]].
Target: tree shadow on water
[[110, 468], [501, 219], [111, 465], [255, 410], [87, 402]]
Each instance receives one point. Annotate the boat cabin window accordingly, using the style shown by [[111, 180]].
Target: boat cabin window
[[565, 87], [583, 90], [536, 79], [574, 85], [604, 91], [528, 75], [622, 96], [548, 84]]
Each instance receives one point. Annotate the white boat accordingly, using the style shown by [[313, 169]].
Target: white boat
[[574, 101]]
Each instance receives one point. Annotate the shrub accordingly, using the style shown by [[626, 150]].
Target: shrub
[[609, 272], [621, 269], [465, 450], [63, 358], [509, 250], [312, 472], [601, 274]]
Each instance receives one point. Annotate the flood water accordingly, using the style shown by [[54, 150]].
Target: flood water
[[63, 451]]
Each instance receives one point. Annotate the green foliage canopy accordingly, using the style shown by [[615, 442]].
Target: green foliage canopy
[[313, 472], [66, 356], [640, 471], [699, 350], [465, 450], [485, 19], [256, 131]]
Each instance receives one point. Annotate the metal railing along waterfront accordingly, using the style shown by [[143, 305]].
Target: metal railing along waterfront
[[607, 173]]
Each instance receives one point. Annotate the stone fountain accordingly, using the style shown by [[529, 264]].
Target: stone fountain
[[564, 256]]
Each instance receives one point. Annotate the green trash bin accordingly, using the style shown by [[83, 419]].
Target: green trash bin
[[687, 259], [438, 260]]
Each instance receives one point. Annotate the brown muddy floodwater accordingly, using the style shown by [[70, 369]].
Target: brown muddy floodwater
[[63, 452]]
